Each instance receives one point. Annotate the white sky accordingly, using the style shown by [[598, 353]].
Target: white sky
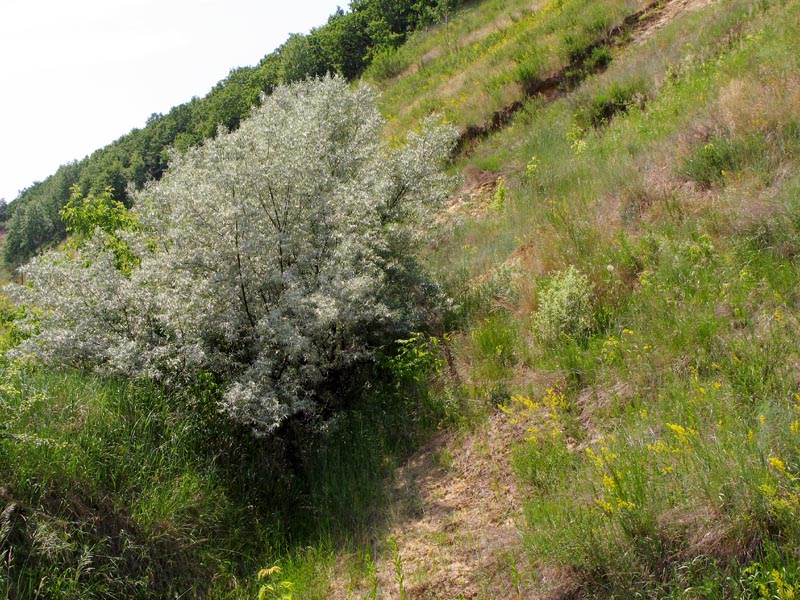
[[76, 75]]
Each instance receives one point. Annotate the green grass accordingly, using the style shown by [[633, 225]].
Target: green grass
[[681, 462], [663, 457], [500, 48], [112, 489], [672, 462]]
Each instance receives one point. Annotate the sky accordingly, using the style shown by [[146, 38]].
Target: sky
[[76, 75]]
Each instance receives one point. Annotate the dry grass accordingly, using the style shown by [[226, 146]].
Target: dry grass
[[754, 103]]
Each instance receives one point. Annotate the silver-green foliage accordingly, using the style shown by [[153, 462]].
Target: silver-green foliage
[[565, 307], [272, 256]]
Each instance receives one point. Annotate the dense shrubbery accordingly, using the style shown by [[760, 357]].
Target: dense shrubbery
[[276, 258], [346, 45]]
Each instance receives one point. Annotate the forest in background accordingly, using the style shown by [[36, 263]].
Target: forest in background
[[369, 33]]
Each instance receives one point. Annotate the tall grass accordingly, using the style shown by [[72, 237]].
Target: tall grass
[[664, 461], [501, 49], [115, 489]]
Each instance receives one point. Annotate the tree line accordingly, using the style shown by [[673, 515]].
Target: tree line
[[345, 45]]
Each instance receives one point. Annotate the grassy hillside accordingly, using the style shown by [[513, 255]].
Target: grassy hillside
[[618, 380], [624, 256]]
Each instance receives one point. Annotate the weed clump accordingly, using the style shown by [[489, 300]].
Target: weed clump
[[710, 163], [565, 307], [618, 98]]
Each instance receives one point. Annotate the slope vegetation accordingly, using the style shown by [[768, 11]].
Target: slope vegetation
[[610, 407], [624, 252]]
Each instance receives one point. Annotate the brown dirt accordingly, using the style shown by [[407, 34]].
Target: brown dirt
[[456, 516], [473, 196], [664, 15]]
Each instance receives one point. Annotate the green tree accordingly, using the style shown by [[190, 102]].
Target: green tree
[[302, 56], [103, 217], [346, 42], [346, 45], [82, 215]]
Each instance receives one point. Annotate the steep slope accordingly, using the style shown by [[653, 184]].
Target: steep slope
[[655, 450]]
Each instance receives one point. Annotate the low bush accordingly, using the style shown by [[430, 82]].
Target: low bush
[[565, 307], [618, 98]]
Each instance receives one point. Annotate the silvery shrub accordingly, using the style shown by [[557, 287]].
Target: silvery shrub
[[276, 257]]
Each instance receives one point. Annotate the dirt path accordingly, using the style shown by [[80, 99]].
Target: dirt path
[[663, 16], [454, 528], [456, 522]]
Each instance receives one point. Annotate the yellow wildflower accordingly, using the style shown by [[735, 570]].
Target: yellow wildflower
[[624, 504], [681, 432], [778, 464], [274, 570], [604, 505]]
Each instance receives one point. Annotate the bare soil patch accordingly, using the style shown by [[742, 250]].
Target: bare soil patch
[[455, 521], [665, 15]]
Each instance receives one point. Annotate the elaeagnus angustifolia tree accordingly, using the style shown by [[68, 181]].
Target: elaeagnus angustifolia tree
[[276, 257]]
